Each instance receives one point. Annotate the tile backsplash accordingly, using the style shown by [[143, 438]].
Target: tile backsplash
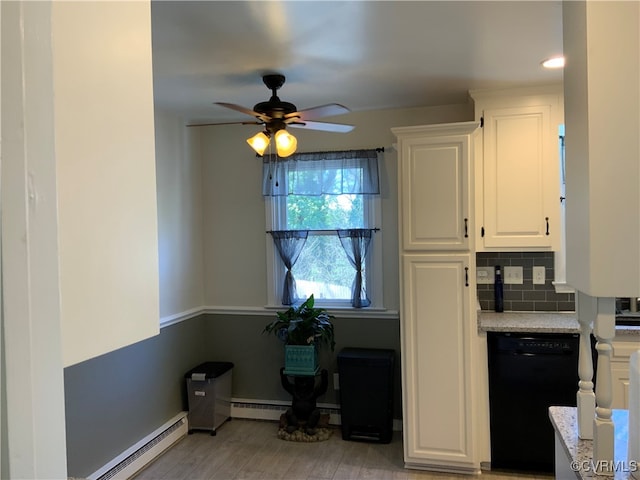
[[525, 297]]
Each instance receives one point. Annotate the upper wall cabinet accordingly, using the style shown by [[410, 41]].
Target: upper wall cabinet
[[434, 164], [518, 169]]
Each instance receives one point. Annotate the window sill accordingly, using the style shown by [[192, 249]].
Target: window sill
[[562, 287]]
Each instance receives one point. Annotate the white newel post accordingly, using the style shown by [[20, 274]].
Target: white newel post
[[586, 399], [603, 435]]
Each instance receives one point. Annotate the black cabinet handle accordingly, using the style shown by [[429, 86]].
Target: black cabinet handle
[[466, 276], [466, 228], [482, 232], [547, 220]]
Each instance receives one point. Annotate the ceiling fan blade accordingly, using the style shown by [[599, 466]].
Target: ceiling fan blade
[[224, 123], [320, 111], [324, 126], [240, 108]]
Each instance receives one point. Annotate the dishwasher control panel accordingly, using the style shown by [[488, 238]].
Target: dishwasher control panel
[[536, 344]]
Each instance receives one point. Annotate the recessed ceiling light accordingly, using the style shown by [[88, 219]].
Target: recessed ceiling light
[[555, 62]]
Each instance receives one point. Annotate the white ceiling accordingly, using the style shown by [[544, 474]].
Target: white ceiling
[[362, 54]]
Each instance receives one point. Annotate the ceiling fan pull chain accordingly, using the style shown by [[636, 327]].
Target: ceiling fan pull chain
[[273, 166]]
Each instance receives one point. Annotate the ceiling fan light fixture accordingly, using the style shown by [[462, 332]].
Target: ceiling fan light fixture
[[285, 143], [275, 115], [259, 142]]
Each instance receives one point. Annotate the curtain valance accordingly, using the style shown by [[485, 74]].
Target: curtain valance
[[320, 173]]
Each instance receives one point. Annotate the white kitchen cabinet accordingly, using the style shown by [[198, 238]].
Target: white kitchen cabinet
[[434, 163], [436, 362], [623, 347], [518, 172], [437, 285], [620, 385]]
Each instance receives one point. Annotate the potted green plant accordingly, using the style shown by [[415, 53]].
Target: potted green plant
[[303, 329]]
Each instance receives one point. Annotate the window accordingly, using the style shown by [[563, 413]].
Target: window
[[330, 200], [560, 257]]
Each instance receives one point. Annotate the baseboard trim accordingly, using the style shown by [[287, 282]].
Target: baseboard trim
[[143, 452], [258, 409]]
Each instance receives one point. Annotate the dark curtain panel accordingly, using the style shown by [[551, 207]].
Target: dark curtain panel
[[356, 243], [289, 244]]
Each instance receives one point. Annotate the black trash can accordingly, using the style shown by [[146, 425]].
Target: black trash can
[[209, 394], [366, 394]]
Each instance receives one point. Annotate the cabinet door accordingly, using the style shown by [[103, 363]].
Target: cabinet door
[[521, 179], [620, 376], [620, 385], [434, 188], [435, 331]]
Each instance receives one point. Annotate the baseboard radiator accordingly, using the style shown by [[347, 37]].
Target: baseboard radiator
[[272, 409], [135, 458]]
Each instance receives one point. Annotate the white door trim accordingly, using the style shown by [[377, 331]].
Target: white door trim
[[30, 288]]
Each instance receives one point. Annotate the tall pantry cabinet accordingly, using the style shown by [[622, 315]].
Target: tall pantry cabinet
[[437, 285]]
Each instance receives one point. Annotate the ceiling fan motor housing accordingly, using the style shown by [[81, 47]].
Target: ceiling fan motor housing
[[274, 108]]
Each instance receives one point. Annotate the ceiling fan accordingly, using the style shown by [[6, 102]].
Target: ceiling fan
[[276, 115]]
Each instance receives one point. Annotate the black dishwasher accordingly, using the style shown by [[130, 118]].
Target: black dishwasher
[[528, 373]]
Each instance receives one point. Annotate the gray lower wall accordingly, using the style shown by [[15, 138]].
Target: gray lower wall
[[115, 400], [4, 433], [258, 357]]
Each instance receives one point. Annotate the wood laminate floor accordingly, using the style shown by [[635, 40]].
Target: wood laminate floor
[[250, 449]]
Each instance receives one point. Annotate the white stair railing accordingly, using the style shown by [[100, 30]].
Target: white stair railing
[[594, 410], [604, 329], [586, 398]]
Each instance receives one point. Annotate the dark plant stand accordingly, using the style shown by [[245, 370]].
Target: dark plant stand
[[305, 389]]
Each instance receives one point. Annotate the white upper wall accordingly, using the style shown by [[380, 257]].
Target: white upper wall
[[602, 114], [105, 167], [179, 180], [234, 210]]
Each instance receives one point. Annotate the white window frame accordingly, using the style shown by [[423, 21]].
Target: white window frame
[[275, 211], [560, 256]]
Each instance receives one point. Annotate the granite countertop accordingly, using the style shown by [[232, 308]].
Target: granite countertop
[[580, 452], [539, 322]]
